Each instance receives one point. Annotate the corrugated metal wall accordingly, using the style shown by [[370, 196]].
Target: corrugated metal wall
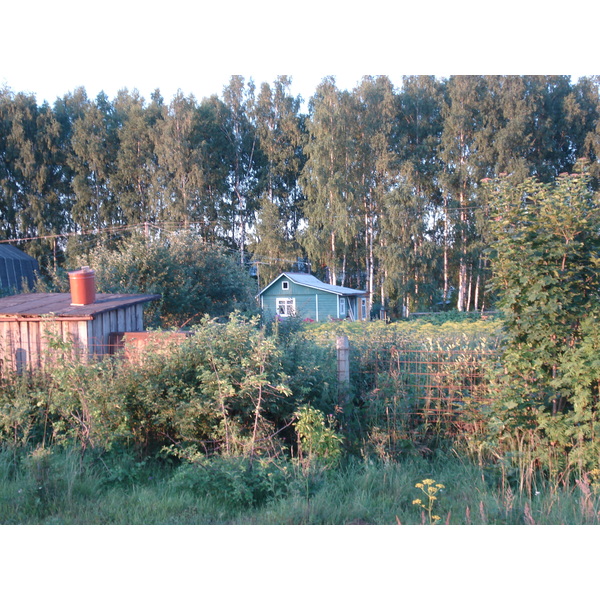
[[16, 267]]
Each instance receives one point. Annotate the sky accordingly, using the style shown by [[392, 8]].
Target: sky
[[51, 47]]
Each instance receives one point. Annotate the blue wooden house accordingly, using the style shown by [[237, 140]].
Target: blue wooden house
[[303, 295]]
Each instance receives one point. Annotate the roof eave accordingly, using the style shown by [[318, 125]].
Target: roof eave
[[290, 276], [336, 292]]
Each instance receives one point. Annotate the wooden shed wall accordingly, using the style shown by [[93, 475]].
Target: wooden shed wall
[[27, 343], [120, 320]]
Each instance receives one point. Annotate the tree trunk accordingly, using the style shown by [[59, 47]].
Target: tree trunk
[[477, 284], [445, 296], [332, 270]]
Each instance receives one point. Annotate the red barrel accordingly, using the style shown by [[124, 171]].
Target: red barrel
[[83, 286]]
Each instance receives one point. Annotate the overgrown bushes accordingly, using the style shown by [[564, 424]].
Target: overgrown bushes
[[235, 388], [545, 252], [238, 420], [227, 388]]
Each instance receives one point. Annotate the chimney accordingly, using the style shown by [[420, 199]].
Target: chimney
[[83, 286]]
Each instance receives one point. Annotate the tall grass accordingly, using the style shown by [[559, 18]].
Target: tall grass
[[59, 488]]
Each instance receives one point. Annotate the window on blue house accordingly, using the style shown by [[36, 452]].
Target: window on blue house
[[286, 307]]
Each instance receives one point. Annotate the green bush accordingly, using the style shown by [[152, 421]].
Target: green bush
[[235, 483], [546, 256], [193, 279], [228, 387], [318, 440]]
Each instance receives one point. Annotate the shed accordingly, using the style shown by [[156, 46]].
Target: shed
[[31, 323], [309, 298], [16, 268]]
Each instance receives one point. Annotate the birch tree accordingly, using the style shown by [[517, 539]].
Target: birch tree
[[94, 144], [375, 167], [462, 121], [330, 207], [278, 127], [244, 173]]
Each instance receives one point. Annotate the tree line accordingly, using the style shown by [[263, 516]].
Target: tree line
[[377, 187]]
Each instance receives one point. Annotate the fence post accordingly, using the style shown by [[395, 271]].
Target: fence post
[[343, 368]]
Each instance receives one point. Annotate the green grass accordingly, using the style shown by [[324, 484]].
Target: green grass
[[58, 488]]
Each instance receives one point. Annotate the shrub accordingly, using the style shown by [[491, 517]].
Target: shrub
[[318, 441], [234, 483], [193, 278], [545, 257]]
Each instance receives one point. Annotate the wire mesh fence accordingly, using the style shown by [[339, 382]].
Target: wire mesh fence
[[411, 392]]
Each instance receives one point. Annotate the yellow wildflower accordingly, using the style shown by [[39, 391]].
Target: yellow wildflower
[[430, 488]]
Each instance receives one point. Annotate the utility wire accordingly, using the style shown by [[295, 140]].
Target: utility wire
[[162, 226]]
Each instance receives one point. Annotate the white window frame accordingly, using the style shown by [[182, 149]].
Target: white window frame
[[363, 308], [285, 286], [343, 306], [285, 307]]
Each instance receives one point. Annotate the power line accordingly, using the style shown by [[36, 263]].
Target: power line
[[162, 226]]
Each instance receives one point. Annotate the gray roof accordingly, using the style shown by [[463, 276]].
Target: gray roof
[[312, 282], [16, 267], [58, 306]]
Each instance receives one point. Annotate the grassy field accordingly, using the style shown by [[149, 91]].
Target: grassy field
[[58, 488]]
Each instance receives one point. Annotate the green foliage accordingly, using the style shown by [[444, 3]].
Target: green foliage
[[419, 333], [279, 130], [380, 187], [270, 242], [223, 388], [310, 365], [317, 439], [192, 277], [545, 254], [234, 483], [40, 482], [411, 381], [234, 490], [453, 316], [327, 178], [226, 388], [409, 250]]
